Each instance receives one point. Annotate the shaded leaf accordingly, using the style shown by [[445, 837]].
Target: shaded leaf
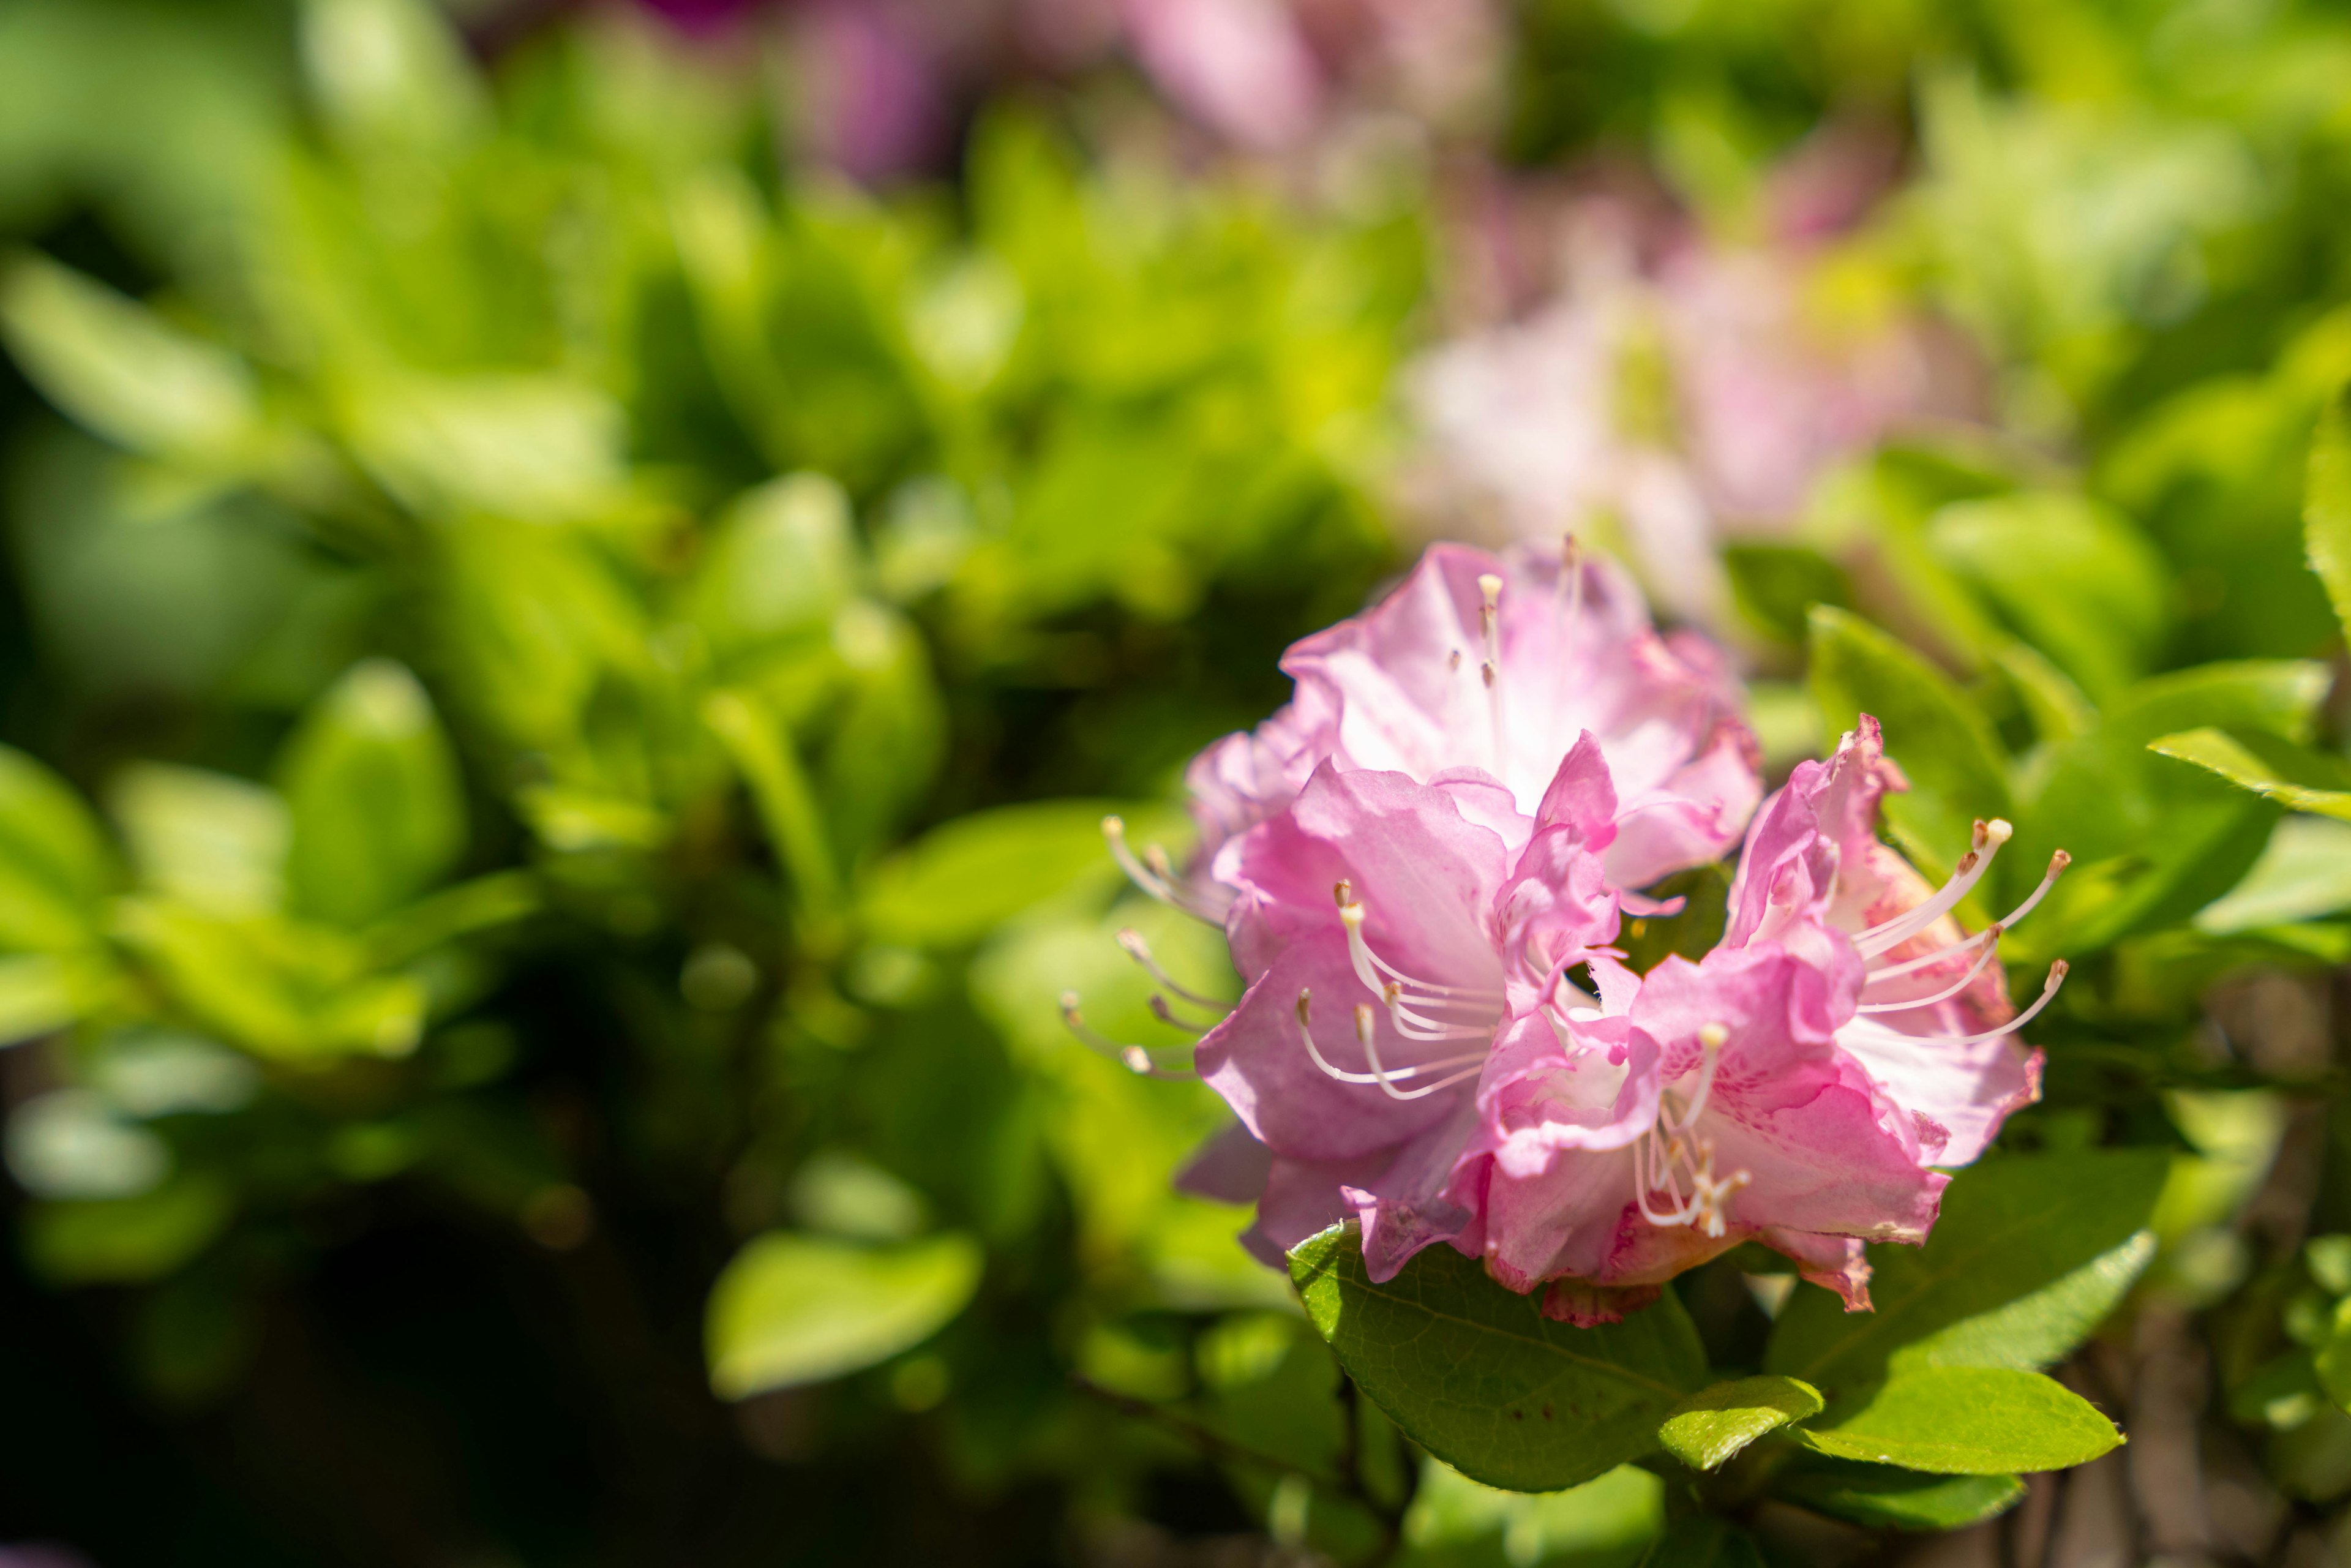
[[1479, 1376], [2326, 508], [1885, 1498], [378, 810]]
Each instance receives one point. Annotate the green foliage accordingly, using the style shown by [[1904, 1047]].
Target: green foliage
[[2030, 1254], [1705, 1430], [1888, 1498], [1481, 1379], [800, 1308], [1966, 1421]]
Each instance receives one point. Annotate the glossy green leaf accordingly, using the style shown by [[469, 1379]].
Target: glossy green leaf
[[1706, 1428], [391, 75], [2304, 874], [2152, 841], [2295, 777], [1476, 1374], [281, 989], [763, 753], [2030, 1254], [379, 813], [1885, 1498], [1957, 771], [2327, 507], [1966, 1421], [793, 1309]]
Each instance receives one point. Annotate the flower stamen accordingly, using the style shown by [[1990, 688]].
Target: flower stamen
[[1383, 1077], [1890, 934], [1136, 948], [1135, 1059]]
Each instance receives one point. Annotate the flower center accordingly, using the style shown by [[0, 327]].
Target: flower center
[[1667, 1155]]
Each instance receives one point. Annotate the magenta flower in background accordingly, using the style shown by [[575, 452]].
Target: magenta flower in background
[[1681, 388]]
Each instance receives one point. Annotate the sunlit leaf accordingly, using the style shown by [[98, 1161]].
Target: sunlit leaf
[[1706, 1428], [802, 1309], [2029, 1255], [1966, 1421]]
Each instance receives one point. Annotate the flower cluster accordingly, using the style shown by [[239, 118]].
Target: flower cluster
[[1422, 863]]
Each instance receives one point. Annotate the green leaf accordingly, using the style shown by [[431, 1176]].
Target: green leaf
[[1967, 1421], [1706, 1428], [56, 866], [2295, 777], [2029, 1255], [389, 74], [795, 1308], [283, 990], [2333, 1357], [2152, 841], [1885, 1498], [538, 448], [959, 881], [763, 753], [1476, 1374], [1958, 772], [379, 813], [2327, 507], [124, 372], [206, 838], [1776, 585], [2085, 586], [780, 562], [127, 1240], [2304, 874]]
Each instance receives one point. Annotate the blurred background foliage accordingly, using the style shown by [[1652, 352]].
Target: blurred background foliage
[[579, 579]]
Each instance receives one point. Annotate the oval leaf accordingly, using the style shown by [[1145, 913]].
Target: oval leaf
[[1476, 1374], [1970, 1421], [1706, 1428], [801, 1308], [2030, 1254]]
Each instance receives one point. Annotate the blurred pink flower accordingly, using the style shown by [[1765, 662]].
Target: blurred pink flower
[[1676, 388]]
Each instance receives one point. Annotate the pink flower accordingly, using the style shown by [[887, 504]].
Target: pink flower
[[1797, 1086], [1496, 663]]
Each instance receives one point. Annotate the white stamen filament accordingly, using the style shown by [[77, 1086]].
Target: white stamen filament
[[1891, 933], [1988, 938], [1166, 1015], [1136, 948], [1159, 879], [1669, 1145], [1377, 974], [1135, 1059], [1385, 1078]]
